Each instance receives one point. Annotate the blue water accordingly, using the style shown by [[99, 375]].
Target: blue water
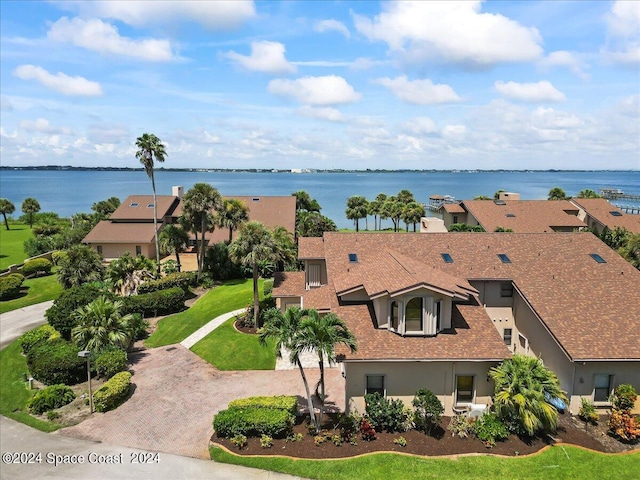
[[69, 192]]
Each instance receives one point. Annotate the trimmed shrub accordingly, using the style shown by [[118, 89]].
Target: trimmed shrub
[[488, 428], [60, 315], [427, 410], [268, 287], [587, 412], [138, 327], [385, 414], [10, 286], [111, 362], [37, 266], [218, 264], [287, 403], [33, 337], [253, 422], [162, 302], [57, 256], [54, 396], [182, 280], [113, 392], [55, 362], [624, 397]]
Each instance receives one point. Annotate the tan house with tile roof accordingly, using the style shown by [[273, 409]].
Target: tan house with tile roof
[[437, 311], [598, 213]]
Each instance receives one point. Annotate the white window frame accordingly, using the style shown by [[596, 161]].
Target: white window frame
[[504, 336], [399, 305], [314, 275], [610, 389], [384, 382], [422, 316]]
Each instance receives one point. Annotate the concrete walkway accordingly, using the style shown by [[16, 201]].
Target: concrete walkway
[[202, 332], [16, 322]]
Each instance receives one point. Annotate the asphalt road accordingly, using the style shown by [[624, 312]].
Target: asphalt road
[[15, 323]]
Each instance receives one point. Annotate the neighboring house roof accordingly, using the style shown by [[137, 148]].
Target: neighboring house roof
[[600, 209], [126, 233], [525, 216], [453, 208], [139, 208], [310, 248], [591, 308]]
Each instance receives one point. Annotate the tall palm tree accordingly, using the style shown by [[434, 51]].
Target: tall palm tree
[[29, 207], [174, 239], [149, 148], [286, 249], [522, 386], [6, 207], [323, 334], [200, 203], [100, 325], [392, 208], [556, 193], [356, 209], [412, 213], [285, 329], [254, 245], [233, 214]]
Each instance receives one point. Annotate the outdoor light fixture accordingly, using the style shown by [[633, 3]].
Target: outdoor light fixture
[[87, 354]]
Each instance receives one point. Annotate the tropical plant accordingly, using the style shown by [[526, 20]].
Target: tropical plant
[[616, 238], [522, 385], [392, 208], [412, 213], [254, 244], [80, 265], [460, 425], [624, 397], [305, 202], [127, 273], [232, 214], [149, 148], [375, 209], [631, 251], [489, 428], [313, 224], [385, 414], [556, 193], [286, 248], [200, 203], [100, 326], [174, 239], [104, 208], [587, 412], [428, 410], [481, 197], [357, 208], [29, 207], [586, 193], [6, 207]]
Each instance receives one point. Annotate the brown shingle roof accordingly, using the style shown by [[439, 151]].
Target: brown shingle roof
[[600, 209], [136, 208], [525, 216], [453, 208], [114, 232], [288, 284], [310, 247]]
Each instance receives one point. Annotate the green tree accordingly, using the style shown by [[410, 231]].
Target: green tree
[[631, 250], [284, 328], [375, 209], [254, 245], [313, 224], [6, 207], [356, 209], [233, 214], [405, 196], [392, 208], [322, 334], [286, 249], [81, 264], [305, 202], [174, 239], [200, 204], [481, 197], [100, 326], [126, 273], [149, 148], [29, 207], [556, 193], [412, 213], [522, 386], [104, 208], [586, 193]]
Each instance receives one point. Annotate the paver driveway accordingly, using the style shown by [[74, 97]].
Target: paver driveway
[[176, 395]]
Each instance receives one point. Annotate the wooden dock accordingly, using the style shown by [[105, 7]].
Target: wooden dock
[[617, 194], [632, 209]]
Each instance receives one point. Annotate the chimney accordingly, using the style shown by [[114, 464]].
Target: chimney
[[177, 191]]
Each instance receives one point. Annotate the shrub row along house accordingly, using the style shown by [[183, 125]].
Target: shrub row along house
[[131, 229], [437, 311]]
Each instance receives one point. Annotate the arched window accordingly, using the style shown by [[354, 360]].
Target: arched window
[[393, 316], [413, 315]]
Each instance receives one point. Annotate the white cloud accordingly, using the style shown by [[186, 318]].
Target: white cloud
[[419, 92], [563, 58], [219, 14], [42, 125], [332, 25], [265, 57], [326, 90], [61, 83], [623, 28], [421, 126], [454, 31], [363, 63], [539, 92], [104, 38], [322, 113]]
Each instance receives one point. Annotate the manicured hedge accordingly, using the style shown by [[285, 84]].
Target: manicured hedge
[[54, 396], [111, 362], [162, 302], [55, 362], [37, 266], [253, 422], [60, 314], [113, 392], [287, 403], [183, 280], [33, 337], [10, 285]]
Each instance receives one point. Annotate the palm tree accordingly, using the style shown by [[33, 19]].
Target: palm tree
[[100, 325], [104, 208], [405, 196], [412, 213], [200, 203], [233, 214], [6, 207], [313, 224], [150, 147], [125, 274], [522, 387], [80, 265], [305, 202], [375, 207], [285, 329], [254, 245], [29, 207], [174, 239], [587, 193], [286, 249], [323, 334], [556, 193], [392, 208], [356, 209]]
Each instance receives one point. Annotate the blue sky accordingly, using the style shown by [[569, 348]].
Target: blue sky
[[323, 84]]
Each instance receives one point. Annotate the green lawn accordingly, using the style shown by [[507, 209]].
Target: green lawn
[[38, 290], [227, 349], [11, 244], [13, 392], [230, 296], [559, 462]]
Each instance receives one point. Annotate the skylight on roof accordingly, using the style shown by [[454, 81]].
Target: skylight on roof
[[353, 257], [504, 258], [597, 258], [149, 205], [499, 202], [615, 213], [255, 199], [134, 204], [446, 257], [511, 215]]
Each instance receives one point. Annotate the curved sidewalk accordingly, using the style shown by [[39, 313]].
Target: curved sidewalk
[[202, 332], [16, 322]]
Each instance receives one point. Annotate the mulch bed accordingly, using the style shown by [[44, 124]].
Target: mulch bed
[[250, 330], [440, 443]]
